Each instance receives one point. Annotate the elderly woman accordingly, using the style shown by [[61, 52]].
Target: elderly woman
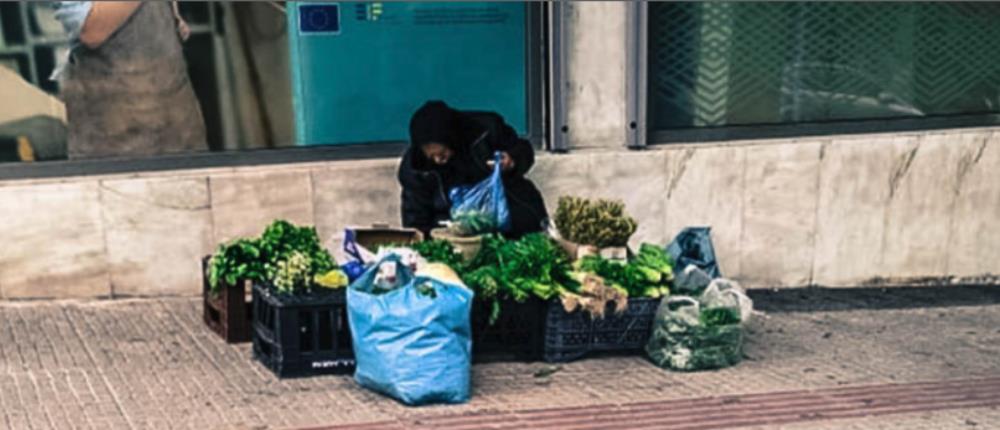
[[449, 148]]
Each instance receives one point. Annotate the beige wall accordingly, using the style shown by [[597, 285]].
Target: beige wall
[[595, 74], [836, 211]]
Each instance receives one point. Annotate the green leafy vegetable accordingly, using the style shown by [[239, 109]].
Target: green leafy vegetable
[[292, 273], [282, 238], [279, 252], [531, 266], [646, 275], [233, 261], [655, 258], [715, 317], [472, 222]]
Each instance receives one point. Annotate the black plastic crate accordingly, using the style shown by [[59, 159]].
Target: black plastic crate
[[302, 335], [517, 334], [570, 336]]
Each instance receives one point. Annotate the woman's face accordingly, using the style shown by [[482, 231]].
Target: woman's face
[[437, 153]]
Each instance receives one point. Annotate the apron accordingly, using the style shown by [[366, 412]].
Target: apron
[[131, 97]]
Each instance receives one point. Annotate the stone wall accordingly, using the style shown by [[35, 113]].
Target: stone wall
[[834, 211]]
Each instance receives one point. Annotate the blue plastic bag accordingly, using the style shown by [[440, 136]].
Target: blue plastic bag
[[693, 245], [481, 208], [413, 342], [353, 269]]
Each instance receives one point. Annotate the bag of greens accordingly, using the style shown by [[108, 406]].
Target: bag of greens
[[702, 334], [481, 208]]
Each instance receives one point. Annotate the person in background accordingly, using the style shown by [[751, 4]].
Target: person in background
[[449, 148], [125, 83]]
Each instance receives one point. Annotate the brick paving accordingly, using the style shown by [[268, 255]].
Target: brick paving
[[152, 364], [957, 419]]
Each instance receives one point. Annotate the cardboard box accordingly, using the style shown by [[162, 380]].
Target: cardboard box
[[376, 235], [370, 238], [26, 100]]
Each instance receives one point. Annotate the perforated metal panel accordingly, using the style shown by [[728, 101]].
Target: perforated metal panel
[[723, 64]]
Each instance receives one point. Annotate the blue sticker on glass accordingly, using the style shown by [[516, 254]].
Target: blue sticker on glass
[[319, 19]]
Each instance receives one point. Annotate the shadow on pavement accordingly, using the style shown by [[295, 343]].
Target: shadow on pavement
[[873, 298]]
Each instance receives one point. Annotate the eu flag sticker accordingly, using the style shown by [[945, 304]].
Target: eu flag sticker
[[319, 18]]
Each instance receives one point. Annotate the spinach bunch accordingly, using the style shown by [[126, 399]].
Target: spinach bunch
[[518, 269], [233, 261]]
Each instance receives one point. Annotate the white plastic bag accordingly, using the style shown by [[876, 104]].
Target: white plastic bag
[[728, 294]]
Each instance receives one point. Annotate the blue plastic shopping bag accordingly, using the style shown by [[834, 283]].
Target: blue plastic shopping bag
[[357, 256], [481, 208], [411, 334], [693, 245]]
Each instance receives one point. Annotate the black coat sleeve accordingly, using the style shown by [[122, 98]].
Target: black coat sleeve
[[519, 149], [502, 137], [417, 197]]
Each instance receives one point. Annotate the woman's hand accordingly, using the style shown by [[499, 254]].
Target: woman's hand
[[182, 26], [506, 162]]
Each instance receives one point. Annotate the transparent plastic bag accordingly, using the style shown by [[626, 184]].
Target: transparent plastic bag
[[689, 336], [481, 208]]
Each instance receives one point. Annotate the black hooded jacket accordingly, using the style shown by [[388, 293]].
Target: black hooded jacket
[[474, 137]]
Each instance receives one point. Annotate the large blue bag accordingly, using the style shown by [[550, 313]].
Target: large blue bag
[[693, 245], [414, 342], [481, 208]]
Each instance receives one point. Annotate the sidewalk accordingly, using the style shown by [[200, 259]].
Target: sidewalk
[[152, 364]]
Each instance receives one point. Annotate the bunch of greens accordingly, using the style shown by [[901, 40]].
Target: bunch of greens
[[292, 273], [518, 269], [472, 222], [646, 275], [284, 251], [600, 223], [233, 261], [281, 239], [718, 317], [655, 265]]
